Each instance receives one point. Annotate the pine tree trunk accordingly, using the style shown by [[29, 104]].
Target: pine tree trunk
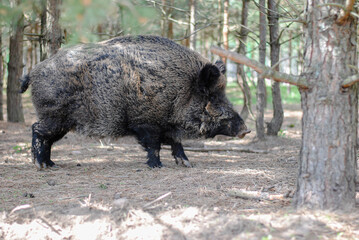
[[166, 23], [220, 23], [328, 154], [14, 105], [290, 49], [170, 23], [192, 25], [43, 41], [53, 33], [275, 124], [240, 70], [261, 84], [1, 78], [225, 24]]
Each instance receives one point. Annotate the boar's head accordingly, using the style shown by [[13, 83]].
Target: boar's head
[[214, 113]]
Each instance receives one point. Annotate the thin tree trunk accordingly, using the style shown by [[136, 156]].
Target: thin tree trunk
[[42, 40], [220, 24], [240, 69], [225, 25], [164, 19], [29, 54], [328, 154], [192, 24], [290, 49], [15, 65], [53, 33], [1, 77], [261, 84], [170, 22], [166, 23], [275, 124]]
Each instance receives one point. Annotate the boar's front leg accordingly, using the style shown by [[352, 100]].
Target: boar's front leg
[[44, 134], [177, 151], [179, 155], [149, 138]]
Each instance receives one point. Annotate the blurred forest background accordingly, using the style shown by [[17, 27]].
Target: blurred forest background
[[40, 27]]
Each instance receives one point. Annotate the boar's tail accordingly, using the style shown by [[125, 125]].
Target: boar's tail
[[25, 82]]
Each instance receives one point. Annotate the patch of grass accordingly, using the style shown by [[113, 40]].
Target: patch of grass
[[267, 237], [281, 133], [20, 149], [103, 186]]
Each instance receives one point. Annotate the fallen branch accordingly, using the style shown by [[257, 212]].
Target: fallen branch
[[230, 149], [265, 71], [254, 195]]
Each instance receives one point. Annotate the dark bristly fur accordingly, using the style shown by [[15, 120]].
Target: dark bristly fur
[[145, 86]]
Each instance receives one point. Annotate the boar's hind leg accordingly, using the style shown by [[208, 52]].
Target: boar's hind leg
[[43, 136], [150, 140], [179, 155]]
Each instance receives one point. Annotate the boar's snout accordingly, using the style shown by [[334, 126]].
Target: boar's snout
[[243, 130], [243, 133]]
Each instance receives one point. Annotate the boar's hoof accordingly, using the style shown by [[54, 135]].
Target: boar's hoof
[[153, 164], [184, 162], [47, 164]]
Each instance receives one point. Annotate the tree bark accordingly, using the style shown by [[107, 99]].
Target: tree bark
[[290, 49], [328, 154], [192, 25], [261, 84], [166, 23], [42, 40], [225, 31], [275, 124], [53, 33], [220, 24], [15, 65], [1, 78], [240, 69], [170, 22]]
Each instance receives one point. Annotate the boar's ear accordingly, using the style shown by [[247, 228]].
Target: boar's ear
[[221, 66], [208, 78]]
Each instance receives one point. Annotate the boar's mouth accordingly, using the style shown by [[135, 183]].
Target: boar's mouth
[[243, 133]]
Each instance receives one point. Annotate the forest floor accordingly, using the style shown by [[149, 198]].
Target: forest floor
[[237, 189]]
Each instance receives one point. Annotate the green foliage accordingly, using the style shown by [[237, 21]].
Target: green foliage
[[81, 18], [20, 149], [282, 133], [269, 237]]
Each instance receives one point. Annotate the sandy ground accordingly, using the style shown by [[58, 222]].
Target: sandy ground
[[237, 189]]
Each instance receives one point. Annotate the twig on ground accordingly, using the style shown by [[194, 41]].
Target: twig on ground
[[21, 207], [50, 226], [157, 199]]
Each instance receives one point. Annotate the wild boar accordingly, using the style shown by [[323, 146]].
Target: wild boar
[[146, 86]]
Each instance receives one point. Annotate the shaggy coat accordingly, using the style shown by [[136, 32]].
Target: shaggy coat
[[146, 86]]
